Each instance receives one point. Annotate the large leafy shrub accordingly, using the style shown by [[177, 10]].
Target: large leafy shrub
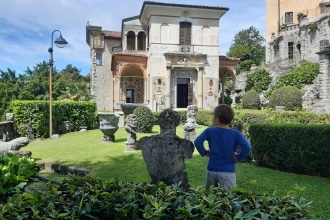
[[259, 80], [145, 119], [288, 96], [15, 173], [304, 74], [88, 198], [251, 100]]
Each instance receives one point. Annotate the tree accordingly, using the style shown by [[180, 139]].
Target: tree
[[34, 85], [8, 89], [248, 45]]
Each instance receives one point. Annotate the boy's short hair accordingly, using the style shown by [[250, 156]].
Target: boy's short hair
[[224, 113]]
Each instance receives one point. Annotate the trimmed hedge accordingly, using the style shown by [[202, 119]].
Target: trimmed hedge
[[36, 115], [292, 147]]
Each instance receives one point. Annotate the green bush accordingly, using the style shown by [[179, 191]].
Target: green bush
[[259, 80], [304, 74], [292, 147], [205, 117], [245, 65], [251, 100], [90, 198], [145, 119], [288, 96], [36, 115], [15, 173]]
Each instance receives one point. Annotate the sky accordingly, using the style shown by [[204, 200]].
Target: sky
[[26, 27]]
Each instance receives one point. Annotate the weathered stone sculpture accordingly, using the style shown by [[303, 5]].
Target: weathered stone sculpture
[[164, 153], [131, 127], [15, 146], [189, 129], [191, 124]]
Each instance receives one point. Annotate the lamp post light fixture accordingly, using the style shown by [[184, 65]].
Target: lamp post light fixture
[[59, 42]]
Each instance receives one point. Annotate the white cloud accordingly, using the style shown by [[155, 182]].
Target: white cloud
[[26, 30]]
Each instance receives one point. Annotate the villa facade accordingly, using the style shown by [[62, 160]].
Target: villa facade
[[166, 57]]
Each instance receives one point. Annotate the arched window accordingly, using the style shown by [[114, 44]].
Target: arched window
[[131, 40], [141, 41]]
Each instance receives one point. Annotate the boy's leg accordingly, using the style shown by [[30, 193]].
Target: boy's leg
[[211, 179], [227, 180]]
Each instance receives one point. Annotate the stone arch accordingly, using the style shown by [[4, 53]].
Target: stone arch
[[224, 72], [132, 84]]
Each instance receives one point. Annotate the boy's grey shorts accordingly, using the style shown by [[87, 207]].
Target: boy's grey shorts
[[224, 179]]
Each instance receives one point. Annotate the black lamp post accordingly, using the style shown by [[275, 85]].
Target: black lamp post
[[59, 42]]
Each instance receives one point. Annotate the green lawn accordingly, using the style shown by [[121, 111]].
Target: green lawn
[[87, 150]]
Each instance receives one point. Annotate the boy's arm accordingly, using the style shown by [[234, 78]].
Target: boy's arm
[[199, 143], [245, 147]]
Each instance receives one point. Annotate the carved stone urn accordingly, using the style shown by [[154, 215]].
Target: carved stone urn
[[108, 125], [128, 108]]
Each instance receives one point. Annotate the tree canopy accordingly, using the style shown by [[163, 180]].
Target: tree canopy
[[248, 44], [33, 84]]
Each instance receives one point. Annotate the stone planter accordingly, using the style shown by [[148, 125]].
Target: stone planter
[[108, 125], [128, 108], [65, 127]]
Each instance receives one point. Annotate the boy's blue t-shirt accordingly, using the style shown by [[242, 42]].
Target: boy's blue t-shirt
[[222, 145]]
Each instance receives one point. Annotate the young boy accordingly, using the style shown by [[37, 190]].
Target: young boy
[[222, 142]]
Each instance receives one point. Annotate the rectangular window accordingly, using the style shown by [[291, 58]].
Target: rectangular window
[[288, 17], [290, 50], [98, 58], [185, 33]]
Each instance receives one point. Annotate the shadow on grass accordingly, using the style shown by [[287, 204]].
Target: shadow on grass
[[127, 167]]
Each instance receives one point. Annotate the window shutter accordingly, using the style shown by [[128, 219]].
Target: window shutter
[[185, 33]]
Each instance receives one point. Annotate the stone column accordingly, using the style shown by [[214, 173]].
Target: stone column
[[118, 92], [168, 94], [200, 88], [145, 91], [125, 42], [136, 41]]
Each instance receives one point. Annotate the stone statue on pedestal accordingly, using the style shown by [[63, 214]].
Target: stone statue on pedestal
[[131, 127]]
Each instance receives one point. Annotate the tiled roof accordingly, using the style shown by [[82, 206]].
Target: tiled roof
[[112, 34]]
